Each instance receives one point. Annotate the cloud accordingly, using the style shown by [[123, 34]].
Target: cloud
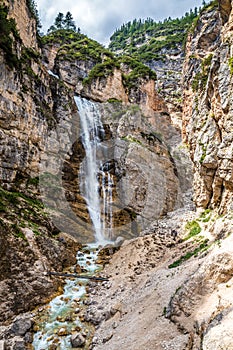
[[99, 18]]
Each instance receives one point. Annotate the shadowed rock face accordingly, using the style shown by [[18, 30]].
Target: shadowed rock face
[[23, 266], [225, 8], [207, 118]]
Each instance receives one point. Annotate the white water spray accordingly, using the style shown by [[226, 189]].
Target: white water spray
[[100, 209]]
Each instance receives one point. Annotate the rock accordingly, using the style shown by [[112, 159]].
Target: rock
[[77, 340], [19, 345], [119, 241], [116, 308], [62, 331], [28, 338], [219, 336], [207, 117], [52, 347], [107, 337], [2, 345], [21, 326]]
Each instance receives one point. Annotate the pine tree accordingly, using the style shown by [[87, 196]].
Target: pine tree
[[59, 21], [69, 22], [62, 22]]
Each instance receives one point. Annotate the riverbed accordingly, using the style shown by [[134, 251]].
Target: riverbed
[[62, 319]]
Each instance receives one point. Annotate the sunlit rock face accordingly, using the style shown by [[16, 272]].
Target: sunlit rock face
[[25, 21], [207, 118], [41, 153]]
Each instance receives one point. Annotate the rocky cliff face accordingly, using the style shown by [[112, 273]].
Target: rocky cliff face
[[137, 128], [41, 152], [26, 22], [29, 239], [207, 119]]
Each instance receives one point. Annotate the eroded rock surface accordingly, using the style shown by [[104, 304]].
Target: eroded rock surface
[[207, 118]]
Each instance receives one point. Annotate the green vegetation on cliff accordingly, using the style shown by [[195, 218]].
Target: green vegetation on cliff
[[135, 70], [19, 210], [61, 36], [82, 48], [8, 31], [200, 79], [144, 40], [101, 70], [75, 46], [32, 7]]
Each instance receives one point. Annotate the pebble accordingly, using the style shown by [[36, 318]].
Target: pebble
[[62, 332]]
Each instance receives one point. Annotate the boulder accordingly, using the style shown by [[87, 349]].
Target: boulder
[[21, 326], [77, 340]]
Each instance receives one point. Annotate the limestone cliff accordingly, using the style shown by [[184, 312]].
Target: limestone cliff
[[28, 105], [41, 203], [41, 150], [207, 119]]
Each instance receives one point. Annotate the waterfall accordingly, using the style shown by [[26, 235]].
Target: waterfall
[[95, 184], [107, 193]]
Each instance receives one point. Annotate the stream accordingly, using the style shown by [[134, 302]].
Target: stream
[[63, 315]]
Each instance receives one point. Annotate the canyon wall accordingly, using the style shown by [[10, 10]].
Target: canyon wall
[[207, 118], [41, 152]]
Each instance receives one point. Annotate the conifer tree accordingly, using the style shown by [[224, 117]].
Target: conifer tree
[[63, 22], [69, 22], [59, 21]]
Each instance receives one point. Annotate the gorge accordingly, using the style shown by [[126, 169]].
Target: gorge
[[99, 145]]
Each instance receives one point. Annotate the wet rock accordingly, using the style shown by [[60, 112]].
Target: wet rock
[[52, 347], [119, 241], [77, 340], [62, 331]]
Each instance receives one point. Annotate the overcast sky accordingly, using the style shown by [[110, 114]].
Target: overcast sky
[[100, 18]]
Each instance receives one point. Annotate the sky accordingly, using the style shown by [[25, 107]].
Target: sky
[[98, 19]]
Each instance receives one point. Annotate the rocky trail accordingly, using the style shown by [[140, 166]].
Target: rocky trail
[[142, 305]]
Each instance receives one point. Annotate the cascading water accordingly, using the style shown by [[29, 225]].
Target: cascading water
[[99, 207], [96, 184], [61, 319], [107, 190]]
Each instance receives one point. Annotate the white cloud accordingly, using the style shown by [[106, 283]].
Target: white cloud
[[99, 18]]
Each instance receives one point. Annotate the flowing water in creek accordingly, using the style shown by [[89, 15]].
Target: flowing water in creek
[[61, 317]]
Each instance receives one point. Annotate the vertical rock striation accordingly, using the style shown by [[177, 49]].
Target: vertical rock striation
[[207, 117]]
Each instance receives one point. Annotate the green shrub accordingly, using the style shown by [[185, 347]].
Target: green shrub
[[230, 63], [101, 70], [194, 229], [114, 100], [138, 70], [204, 149], [200, 79], [7, 30], [206, 215], [202, 247], [61, 36]]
